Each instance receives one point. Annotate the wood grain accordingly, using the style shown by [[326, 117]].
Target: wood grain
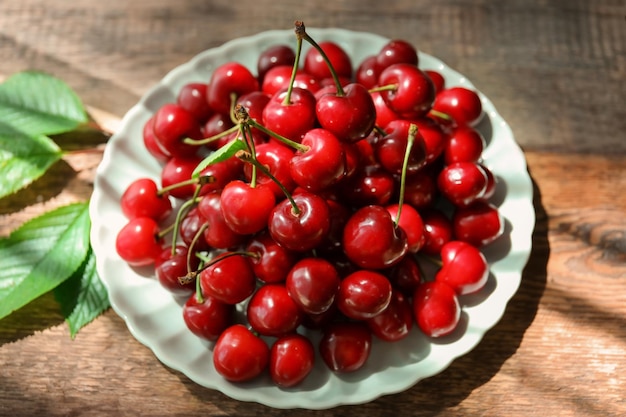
[[556, 71]]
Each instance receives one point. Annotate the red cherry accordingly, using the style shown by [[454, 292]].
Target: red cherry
[[414, 93], [367, 72], [169, 267], [142, 199], [438, 80], [218, 234], [406, 276], [437, 231], [478, 224], [371, 239], [303, 230], [272, 312], [276, 157], [177, 170], [464, 144], [411, 223], [390, 150], [190, 225], [384, 115], [433, 136], [228, 79], [464, 267], [192, 97], [172, 124], [315, 64], [207, 317], [313, 284], [370, 185], [222, 173], [291, 120], [421, 190], [151, 144], [346, 346], [462, 183], [278, 78], [397, 51], [394, 322], [138, 241], [436, 308], [461, 104], [291, 360], [216, 124], [363, 294], [246, 209], [271, 262], [239, 355], [491, 183], [274, 56], [230, 280]]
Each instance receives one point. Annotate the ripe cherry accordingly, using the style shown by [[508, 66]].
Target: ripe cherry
[[397, 51], [292, 358], [272, 312], [437, 231], [179, 170], [478, 224], [340, 61], [463, 267], [172, 124], [191, 224], [142, 199], [363, 294], [290, 119], [413, 93], [239, 355], [461, 104], [207, 317], [436, 308], [464, 144], [151, 144], [218, 234], [271, 262], [230, 280], [274, 56], [394, 322], [406, 276], [278, 78], [390, 150], [345, 346], [462, 183], [228, 79], [276, 157], [192, 97], [138, 242], [313, 284], [411, 223], [438, 80], [367, 72], [171, 265], [370, 185], [245, 208]]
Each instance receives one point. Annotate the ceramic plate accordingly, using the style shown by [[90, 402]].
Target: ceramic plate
[[154, 317]]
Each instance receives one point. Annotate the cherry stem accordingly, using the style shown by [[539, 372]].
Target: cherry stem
[[200, 181], [247, 135], [193, 243], [440, 115], [294, 71], [191, 275], [247, 157], [293, 144], [407, 153], [381, 88], [213, 138], [184, 209], [301, 34]]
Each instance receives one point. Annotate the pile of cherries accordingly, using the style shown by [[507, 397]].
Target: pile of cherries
[[308, 198]]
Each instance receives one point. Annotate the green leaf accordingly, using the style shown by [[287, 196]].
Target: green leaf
[[41, 254], [222, 154], [82, 297], [40, 104], [23, 158]]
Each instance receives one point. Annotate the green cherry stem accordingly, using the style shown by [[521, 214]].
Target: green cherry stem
[[405, 163], [192, 244], [381, 88], [191, 275], [200, 181], [294, 71]]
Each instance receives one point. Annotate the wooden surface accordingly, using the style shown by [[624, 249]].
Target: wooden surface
[[555, 70]]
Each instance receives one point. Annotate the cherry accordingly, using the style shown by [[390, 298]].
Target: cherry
[[421, 190], [278, 78], [397, 51], [191, 224], [345, 346], [394, 322], [371, 185], [292, 358], [433, 137], [411, 223], [464, 267], [436, 308], [254, 102], [218, 234], [438, 80], [478, 224], [172, 124], [300, 230], [273, 56], [271, 262], [276, 157], [391, 149], [384, 115], [239, 355], [413, 93], [138, 242], [151, 144], [291, 118], [272, 312], [228, 79], [372, 240], [406, 276], [462, 183], [339, 215], [313, 284], [464, 144], [315, 64], [221, 173], [491, 183], [142, 199], [461, 104], [207, 317], [245, 208], [179, 170], [230, 280], [216, 124], [192, 97], [322, 164], [367, 72], [437, 231], [363, 294], [171, 265]]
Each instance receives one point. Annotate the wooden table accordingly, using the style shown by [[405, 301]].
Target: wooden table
[[555, 70]]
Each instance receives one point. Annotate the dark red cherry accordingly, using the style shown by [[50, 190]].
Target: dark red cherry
[[461, 104], [463, 267], [273, 56], [363, 294], [345, 346], [192, 97], [315, 64], [390, 150], [218, 234], [271, 262], [313, 284], [367, 72], [170, 266], [239, 355], [172, 124], [397, 51], [231, 78], [151, 144], [436, 308], [437, 231], [478, 224], [438, 80], [278, 78], [414, 92], [394, 322], [230, 279], [272, 312], [207, 317], [292, 358]]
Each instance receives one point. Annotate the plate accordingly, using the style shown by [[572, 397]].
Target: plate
[[154, 317]]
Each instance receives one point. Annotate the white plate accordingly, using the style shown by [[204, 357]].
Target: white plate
[[154, 317]]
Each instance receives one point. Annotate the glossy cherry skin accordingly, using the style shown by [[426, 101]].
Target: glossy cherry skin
[[492, 183], [438, 80], [463, 267], [436, 308], [390, 150], [301, 231], [478, 224], [371, 239], [414, 94], [142, 199], [292, 358], [433, 137], [367, 72], [322, 165], [350, 116], [421, 190], [276, 157], [239, 355], [218, 234], [290, 120], [462, 183], [363, 294], [273, 56], [151, 144], [138, 242], [190, 225], [463, 144], [272, 312], [384, 115], [222, 173], [394, 322], [406, 276], [172, 124], [315, 65], [345, 346], [313, 284], [370, 185], [278, 78], [271, 262], [207, 317], [397, 51], [246, 209], [228, 79], [177, 170], [192, 97], [461, 104], [170, 267], [214, 125], [230, 280], [411, 223], [437, 231]]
